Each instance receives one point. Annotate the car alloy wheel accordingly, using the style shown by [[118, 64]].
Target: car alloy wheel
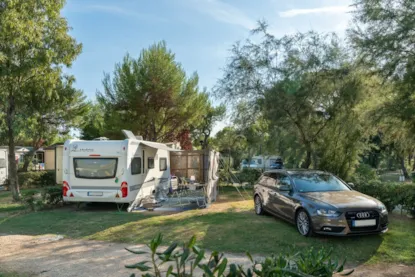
[[304, 223], [258, 206]]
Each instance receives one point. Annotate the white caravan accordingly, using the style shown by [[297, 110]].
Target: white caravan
[[113, 170], [3, 166]]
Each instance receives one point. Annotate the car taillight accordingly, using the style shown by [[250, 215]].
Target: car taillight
[[65, 188], [124, 189]]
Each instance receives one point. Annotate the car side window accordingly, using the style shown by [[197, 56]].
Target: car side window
[[272, 180], [284, 180], [263, 179]]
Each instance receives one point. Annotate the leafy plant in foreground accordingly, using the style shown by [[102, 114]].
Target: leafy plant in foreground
[[188, 259]]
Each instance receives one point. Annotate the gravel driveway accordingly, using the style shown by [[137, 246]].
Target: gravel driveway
[[52, 255]]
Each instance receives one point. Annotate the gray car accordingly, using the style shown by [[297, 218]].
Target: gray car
[[319, 202]]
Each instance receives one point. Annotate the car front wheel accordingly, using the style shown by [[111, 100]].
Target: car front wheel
[[303, 222], [258, 206]]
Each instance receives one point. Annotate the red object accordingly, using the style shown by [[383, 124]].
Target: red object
[[95, 155], [124, 189], [71, 195], [185, 140], [65, 188]]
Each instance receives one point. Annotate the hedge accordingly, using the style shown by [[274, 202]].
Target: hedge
[[36, 179], [391, 194]]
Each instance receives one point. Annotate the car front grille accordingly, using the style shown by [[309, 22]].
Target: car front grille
[[352, 215]]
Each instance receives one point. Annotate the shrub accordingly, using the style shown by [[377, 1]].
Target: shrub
[[249, 175], [52, 195], [32, 200], [36, 179], [391, 194], [364, 173], [185, 259]]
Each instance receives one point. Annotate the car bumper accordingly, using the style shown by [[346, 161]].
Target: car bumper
[[344, 225]]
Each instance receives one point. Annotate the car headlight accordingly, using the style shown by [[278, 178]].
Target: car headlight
[[383, 209], [328, 213]]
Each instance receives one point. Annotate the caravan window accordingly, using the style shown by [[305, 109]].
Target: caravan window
[[136, 166], [2, 163], [95, 168], [163, 164], [150, 163]]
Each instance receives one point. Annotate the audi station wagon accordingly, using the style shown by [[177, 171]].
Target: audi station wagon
[[319, 202]]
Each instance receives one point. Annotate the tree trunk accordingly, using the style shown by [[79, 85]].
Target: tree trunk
[[27, 158], [307, 162], [12, 170], [405, 172]]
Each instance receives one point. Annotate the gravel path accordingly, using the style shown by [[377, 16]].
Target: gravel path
[[52, 255]]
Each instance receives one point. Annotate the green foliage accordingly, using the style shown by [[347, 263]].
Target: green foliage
[[364, 174], [52, 195], [203, 129], [249, 175], [93, 125], [36, 179], [152, 96], [187, 258], [391, 194], [31, 199], [35, 46]]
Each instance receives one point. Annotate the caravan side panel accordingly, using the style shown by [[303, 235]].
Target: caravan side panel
[[50, 159], [58, 158]]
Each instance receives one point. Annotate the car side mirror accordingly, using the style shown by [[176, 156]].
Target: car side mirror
[[285, 188], [351, 185]]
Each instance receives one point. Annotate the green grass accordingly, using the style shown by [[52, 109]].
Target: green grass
[[7, 205], [229, 225]]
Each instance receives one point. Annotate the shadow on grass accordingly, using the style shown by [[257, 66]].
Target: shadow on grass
[[229, 227]]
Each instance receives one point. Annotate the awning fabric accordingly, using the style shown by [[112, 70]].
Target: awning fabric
[[158, 145]]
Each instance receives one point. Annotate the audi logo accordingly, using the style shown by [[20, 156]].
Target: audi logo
[[363, 215]]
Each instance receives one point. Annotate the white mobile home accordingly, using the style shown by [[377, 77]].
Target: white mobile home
[[53, 160], [113, 170], [3, 166]]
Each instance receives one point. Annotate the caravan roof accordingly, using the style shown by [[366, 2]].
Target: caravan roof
[[107, 147]]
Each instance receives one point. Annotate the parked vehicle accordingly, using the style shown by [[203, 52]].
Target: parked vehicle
[[113, 170], [319, 202], [263, 162], [3, 166]]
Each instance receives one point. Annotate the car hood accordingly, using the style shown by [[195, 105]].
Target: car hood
[[343, 199]]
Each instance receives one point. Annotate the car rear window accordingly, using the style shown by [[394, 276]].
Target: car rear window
[[314, 182], [95, 168]]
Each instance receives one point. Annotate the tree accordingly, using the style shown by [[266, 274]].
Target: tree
[[34, 45], [232, 142], [47, 118], [299, 82], [203, 130], [383, 36], [152, 96], [93, 122]]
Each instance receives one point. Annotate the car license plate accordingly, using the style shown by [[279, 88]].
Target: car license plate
[[364, 223], [95, 193]]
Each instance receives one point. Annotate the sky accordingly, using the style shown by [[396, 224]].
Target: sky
[[199, 32]]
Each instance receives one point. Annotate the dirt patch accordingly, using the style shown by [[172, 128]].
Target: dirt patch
[[53, 255]]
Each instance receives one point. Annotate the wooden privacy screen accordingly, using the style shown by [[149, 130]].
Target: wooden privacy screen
[[190, 163]]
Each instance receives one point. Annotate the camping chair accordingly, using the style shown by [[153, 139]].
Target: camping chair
[[196, 194]]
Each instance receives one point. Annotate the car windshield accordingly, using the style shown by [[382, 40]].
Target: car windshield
[[313, 182]]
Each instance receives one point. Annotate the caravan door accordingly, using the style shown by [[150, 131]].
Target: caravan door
[[3, 166]]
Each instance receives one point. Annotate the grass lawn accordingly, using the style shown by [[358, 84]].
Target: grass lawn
[[228, 225]]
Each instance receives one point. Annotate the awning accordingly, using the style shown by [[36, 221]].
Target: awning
[[158, 145]]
